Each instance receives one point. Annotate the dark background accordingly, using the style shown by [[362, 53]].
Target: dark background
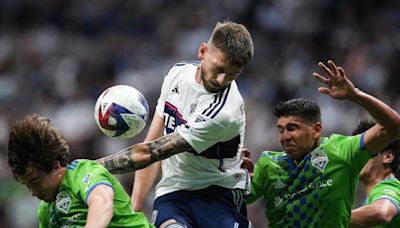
[[57, 56]]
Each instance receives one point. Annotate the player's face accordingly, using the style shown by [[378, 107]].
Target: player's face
[[376, 165], [41, 184], [215, 72], [297, 136]]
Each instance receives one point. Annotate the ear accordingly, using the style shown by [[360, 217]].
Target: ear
[[202, 51], [56, 166], [388, 156], [317, 128]]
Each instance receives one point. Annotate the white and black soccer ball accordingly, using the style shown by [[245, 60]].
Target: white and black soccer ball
[[121, 111]]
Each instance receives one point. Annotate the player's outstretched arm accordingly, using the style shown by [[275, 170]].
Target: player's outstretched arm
[[142, 155], [338, 86], [380, 212]]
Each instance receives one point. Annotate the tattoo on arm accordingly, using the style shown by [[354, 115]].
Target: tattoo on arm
[[142, 155], [120, 162]]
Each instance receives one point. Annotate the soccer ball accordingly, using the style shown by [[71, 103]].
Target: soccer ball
[[121, 111]]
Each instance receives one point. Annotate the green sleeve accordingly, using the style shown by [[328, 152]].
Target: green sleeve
[[87, 176], [351, 149], [257, 181], [386, 190], [43, 215]]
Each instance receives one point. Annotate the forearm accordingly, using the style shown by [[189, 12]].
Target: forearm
[[142, 155], [144, 180], [101, 207], [367, 216], [99, 215], [381, 112], [128, 160]]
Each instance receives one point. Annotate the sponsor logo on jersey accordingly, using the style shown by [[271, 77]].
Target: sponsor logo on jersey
[[319, 159], [389, 192], [63, 201], [279, 184], [320, 184]]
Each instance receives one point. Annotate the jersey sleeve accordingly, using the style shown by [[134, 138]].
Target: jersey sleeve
[[87, 176], [257, 181], [351, 149], [165, 89], [43, 215], [388, 191], [202, 132]]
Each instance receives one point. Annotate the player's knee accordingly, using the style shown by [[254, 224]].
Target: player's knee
[[172, 223]]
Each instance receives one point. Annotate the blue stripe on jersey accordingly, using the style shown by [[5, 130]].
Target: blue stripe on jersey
[[182, 63], [362, 143], [392, 201], [211, 104], [223, 103], [95, 185], [217, 104], [219, 99], [73, 165]]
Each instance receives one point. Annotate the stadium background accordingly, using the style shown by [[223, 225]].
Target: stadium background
[[57, 56]]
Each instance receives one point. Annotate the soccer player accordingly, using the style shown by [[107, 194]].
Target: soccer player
[[382, 204], [312, 183], [81, 193], [201, 113]]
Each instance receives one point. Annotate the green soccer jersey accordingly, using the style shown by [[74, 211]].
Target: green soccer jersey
[[316, 192], [70, 208], [387, 189]]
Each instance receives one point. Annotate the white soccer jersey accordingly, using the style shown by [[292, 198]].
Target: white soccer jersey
[[212, 123]]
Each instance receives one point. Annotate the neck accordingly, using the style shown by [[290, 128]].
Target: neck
[[374, 179]]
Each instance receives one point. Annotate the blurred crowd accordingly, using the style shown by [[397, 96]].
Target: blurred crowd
[[56, 57]]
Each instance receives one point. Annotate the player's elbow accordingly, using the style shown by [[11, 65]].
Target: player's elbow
[[383, 217]]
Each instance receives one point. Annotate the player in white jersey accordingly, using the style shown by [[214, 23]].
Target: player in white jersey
[[212, 123], [202, 114]]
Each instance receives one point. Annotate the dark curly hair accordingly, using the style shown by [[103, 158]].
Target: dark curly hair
[[364, 125], [34, 141], [301, 107]]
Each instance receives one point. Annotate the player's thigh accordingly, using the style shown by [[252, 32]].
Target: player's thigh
[[219, 207], [172, 207]]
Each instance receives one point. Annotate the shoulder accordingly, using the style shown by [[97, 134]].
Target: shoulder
[[80, 166], [183, 66], [227, 104], [272, 156]]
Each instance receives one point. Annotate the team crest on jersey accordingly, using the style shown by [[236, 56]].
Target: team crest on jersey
[[63, 201], [237, 176], [319, 159], [192, 108]]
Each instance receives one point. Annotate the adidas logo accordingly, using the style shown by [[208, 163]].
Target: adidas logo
[[175, 90], [199, 119], [279, 184]]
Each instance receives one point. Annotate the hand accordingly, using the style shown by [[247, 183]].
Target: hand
[[338, 85], [247, 162]]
